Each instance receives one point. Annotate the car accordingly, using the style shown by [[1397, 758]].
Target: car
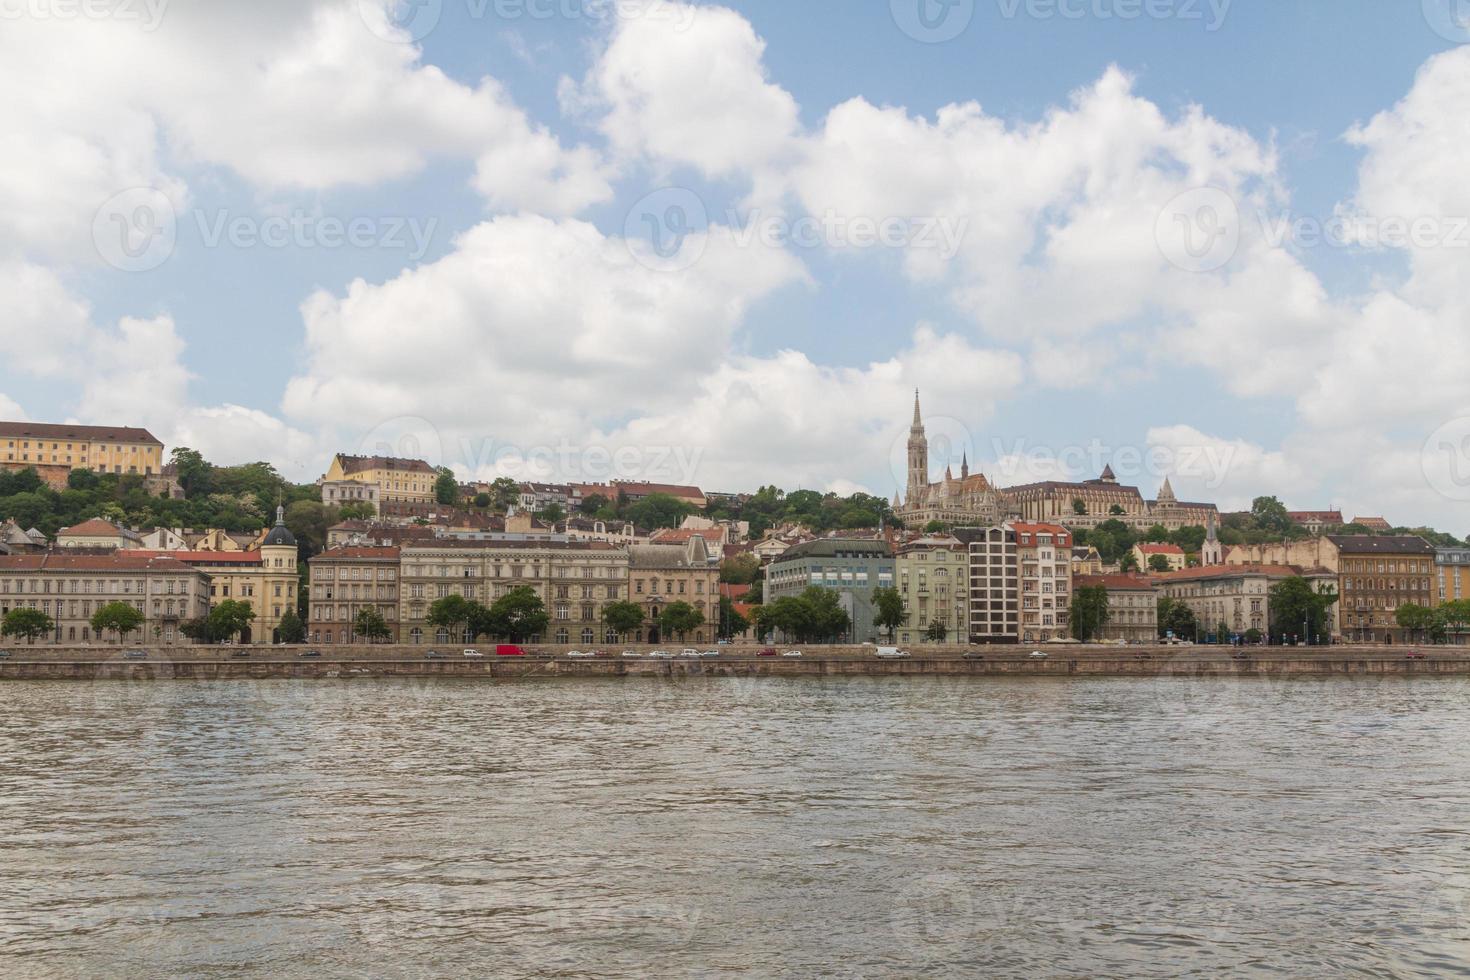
[[580, 654], [890, 653], [767, 652], [239, 654], [474, 654], [689, 652], [632, 654], [309, 653], [509, 650], [710, 653], [792, 653], [660, 655], [1415, 655], [1039, 655], [598, 653], [972, 655], [4, 654], [575, 653], [1236, 655], [723, 643], [134, 655]]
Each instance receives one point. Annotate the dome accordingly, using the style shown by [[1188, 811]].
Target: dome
[[280, 535]]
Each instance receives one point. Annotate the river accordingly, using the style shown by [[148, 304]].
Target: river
[[865, 826]]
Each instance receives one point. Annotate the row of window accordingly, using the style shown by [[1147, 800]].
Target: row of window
[[88, 586]]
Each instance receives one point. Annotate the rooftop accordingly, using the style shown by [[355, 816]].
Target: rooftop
[[360, 464], [120, 561], [1390, 544], [836, 548]]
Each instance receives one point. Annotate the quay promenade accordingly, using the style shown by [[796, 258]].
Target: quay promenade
[[224, 662]]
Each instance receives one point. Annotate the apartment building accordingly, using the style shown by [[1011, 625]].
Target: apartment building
[[344, 581], [407, 481], [933, 580], [1133, 606], [1376, 575], [662, 574], [71, 587]]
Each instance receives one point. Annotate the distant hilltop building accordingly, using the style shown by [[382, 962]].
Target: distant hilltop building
[[972, 501], [55, 450], [399, 481], [1315, 521]]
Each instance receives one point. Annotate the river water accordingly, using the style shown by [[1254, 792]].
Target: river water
[[875, 827]]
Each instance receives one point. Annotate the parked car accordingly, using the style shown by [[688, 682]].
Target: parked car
[[971, 655], [475, 654], [597, 653], [309, 653], [689, 652], [890, 653], [135, 655], [1415, 655], [436, 655], [1039, 655], [792, 653], [660, 655], [581, 654], [710, 653], [767, 652], [632, 654], [239, 654], [509, 650], [4, 654]]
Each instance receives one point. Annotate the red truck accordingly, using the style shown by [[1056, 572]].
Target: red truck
[[509, 650]]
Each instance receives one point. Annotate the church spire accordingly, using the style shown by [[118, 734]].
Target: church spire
[[965, 465], [918, 418]]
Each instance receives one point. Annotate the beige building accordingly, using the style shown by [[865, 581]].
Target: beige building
[[265, 577], [70, 588], [1376, 575], [336, 493], [575, 580], [1237, 595], [98, 533], [932, 576], [1133, 606], [1144, 553], [397, 480], [1020, 582], [662, 574], [56, 450], [344, 581]]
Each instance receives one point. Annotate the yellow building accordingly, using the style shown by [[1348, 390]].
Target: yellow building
[[397, 480], [934, 582], [266, 578], [56, 450]]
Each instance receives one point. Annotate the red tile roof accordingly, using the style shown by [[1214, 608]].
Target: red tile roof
[[1161, 549], [359, 464], [93, 433], [1225, 571], [1113, 583], [732, 592], [358, 553], [118, 561], [207, 557], [95, 527]]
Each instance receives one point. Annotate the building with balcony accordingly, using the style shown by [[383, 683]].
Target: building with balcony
[[345, 581], [933, 578]]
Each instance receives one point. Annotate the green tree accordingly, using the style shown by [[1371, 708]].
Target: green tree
[[291, 628], [740, 569], [446, 487], [370, 625], [1177, 618], [1295, 606], [888, 611], [228, 619], [1455, 614], [81, 479], [680, 619], [1189, 539], [935, 527], [732, 623], [453, 613], [1089, 612], [355, 510], [518, 615], [1079, 506], [1415, 619], [1117, 510], [1157, 563], [194, 475], [623, 617], [1127, 562], [483, 500], [197, 629], [658, 510], [937, 632], [552, 514], [505, 493], [27, 624], [1158, 534], [1271, 516], [117, 617], [592, 503]]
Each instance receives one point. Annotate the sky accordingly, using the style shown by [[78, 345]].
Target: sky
[[1220, 242]]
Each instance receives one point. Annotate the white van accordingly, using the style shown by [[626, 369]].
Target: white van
[[891, 653]]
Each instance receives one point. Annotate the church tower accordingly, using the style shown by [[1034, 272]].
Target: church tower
[[1211, 552], [918, 457]]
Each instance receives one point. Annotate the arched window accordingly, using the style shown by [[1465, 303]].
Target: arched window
[[589, 635], [416, 636], [611, 636], [561, 635], [441, 635]]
